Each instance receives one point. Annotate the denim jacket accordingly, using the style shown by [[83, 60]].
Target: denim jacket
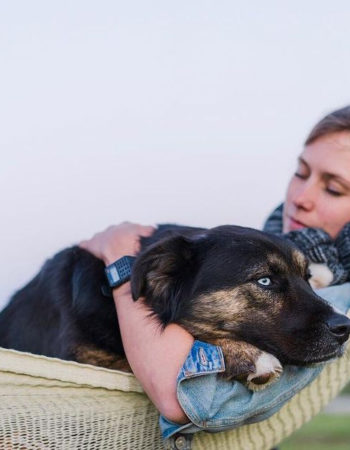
[[213, 404]]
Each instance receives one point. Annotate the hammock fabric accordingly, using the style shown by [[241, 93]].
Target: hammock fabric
[[50, 404]]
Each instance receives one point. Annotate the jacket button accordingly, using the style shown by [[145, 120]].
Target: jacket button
[[180, 443]]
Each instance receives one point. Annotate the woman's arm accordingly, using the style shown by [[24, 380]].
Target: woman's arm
[[155, 355]]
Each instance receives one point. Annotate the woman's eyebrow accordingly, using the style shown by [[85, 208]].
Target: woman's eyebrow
[[332, 176]]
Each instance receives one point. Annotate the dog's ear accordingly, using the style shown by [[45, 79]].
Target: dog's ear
[[160, 273]]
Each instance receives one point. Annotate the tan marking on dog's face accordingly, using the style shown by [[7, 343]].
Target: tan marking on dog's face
[[226, 302], [300, 261], [266, 304], [214, 308], [277, 263], [219, 314], [274, 264]]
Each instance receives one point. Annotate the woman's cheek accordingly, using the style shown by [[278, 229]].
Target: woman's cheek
[[291, 190], [334, 218]]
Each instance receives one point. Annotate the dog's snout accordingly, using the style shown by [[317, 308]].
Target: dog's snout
[[339, 326]]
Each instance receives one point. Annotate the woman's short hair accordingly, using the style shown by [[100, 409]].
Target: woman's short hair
[[336, 121]]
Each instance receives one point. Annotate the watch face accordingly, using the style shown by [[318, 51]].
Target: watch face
[[113, 272]]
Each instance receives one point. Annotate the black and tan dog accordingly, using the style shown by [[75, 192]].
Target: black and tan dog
[[235, 287]]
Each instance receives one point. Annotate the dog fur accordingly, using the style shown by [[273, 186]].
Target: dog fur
[[208, 281]]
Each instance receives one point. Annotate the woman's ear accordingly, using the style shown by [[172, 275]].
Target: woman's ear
[[160, 273]]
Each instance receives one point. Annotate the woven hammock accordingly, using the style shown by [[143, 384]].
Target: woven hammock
[[47, 403]]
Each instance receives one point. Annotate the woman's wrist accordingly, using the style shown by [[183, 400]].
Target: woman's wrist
[[122, 291]]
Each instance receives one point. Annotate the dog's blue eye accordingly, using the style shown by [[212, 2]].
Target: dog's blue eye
[[265, 281]]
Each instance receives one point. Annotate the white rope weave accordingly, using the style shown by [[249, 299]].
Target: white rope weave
[[49, 404]]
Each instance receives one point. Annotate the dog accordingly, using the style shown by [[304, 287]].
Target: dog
[[239, 288]]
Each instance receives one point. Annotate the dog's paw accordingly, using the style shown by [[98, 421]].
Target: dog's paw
[[267, 370], [248, 364], [321, 276]]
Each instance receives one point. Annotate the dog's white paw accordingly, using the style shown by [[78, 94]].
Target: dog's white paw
[[321, 276], [267, 370]]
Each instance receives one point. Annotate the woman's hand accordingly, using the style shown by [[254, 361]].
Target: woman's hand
[[117, 241]]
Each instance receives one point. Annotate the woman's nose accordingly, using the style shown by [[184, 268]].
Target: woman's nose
[[305, 197]]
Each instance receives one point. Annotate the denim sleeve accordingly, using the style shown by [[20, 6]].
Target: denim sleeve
[[214, 404]]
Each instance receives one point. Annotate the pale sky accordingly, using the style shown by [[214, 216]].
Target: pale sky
[[189, 111]]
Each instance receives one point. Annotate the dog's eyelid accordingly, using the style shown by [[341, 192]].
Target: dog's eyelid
[[257, 276]]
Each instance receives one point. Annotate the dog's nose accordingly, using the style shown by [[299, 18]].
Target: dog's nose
[[339, 326]]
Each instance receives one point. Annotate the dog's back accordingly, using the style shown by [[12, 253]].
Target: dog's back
[[67, 310], [62, 307]]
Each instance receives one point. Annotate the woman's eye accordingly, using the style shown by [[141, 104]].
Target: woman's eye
[[266, 281], [300, 175], [334, 192]]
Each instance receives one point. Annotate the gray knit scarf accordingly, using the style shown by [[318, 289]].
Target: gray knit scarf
[[317, 245]]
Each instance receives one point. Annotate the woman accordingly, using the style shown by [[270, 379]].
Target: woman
[[314, 216]]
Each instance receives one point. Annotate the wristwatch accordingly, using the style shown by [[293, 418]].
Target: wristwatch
[[119, 272]]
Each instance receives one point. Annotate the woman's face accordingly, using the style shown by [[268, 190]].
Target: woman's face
[[318, 194]]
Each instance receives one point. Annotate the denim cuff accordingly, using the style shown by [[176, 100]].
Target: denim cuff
[[203, 359]]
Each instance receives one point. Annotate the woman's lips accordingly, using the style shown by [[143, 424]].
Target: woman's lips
[[295, 224]]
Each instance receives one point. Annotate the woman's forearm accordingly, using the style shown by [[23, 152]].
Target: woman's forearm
[[154, 354]]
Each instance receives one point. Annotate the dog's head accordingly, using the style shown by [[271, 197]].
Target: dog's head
[[235, 282]]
